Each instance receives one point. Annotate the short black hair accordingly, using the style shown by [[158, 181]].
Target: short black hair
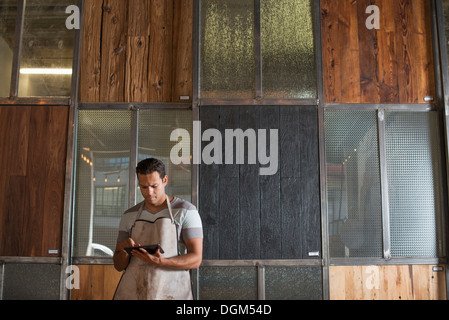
[[150, 165]]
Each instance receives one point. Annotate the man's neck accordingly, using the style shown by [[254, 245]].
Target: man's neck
[[159, 206]]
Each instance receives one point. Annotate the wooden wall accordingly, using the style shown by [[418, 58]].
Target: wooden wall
[[393, 64], [137, 51], [404, 282], [97, 282], [32, 178], [249, 216]]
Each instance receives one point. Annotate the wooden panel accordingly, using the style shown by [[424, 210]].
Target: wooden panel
[[161, 50], [249, 216], [137, 51], [113, 51], [32, 178], [182, 51], [97, 282], [404, 282], [89, 86], [393, 64]]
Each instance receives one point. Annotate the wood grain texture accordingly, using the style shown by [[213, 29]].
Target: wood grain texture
[[395, 282], [32, 179], [248, 216], [137, 51], [393, 64], [97, 282]]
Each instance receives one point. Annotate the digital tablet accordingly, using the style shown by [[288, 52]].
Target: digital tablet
[[151, 249]]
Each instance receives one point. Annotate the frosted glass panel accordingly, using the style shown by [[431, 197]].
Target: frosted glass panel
[[47, 50], [227, 49], [293, 283], [413, 183], [31, 281], [155, 128], [8, 14], [353, 183], [227, 283], [288, 53], [102, 183]]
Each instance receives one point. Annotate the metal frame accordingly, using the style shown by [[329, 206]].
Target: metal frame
[[442, 86]]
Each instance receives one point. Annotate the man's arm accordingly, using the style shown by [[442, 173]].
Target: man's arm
[[191, 260], [121, 257]]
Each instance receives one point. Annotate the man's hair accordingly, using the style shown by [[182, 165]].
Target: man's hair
[[150, 165]]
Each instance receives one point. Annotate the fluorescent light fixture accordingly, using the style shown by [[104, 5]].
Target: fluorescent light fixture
[[45, 71]]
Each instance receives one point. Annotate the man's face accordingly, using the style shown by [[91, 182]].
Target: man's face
[[152, 188]]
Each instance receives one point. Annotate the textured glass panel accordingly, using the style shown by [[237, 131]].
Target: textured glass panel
[[353, 183], [227, 49], [413, 183], [446, 23], [293, 283], [288, 52], [155, 128], [8, 14], [47, 50], [102, 182], [227, 283], [31, 281]]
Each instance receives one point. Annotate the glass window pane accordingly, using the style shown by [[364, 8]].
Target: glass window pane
[[102, 183], [413, 169], [47, 50], [353, 183], [227, 49], [288, 51], [155, 128], [293, 283], [227, 283], [8, 15]]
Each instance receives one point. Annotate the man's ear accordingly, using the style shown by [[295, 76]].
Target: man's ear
[[165, 180]]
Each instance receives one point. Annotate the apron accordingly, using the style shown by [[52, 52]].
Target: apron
[[144, 281]]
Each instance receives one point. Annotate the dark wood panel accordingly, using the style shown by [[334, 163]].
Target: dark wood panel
[[393, 64], [32, 179], [262, 217]]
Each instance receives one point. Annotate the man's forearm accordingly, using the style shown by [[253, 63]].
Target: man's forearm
[[121, 260]]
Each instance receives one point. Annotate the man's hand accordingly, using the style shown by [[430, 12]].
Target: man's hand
[[121, 257]]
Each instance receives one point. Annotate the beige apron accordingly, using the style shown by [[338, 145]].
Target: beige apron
[[144, 281]]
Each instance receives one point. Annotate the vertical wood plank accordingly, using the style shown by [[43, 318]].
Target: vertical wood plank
[[113, 50], [37, 176], [161, 50], [54, 192], [229, 204], [310, 182], [209, 189], [89, 86], [249, 193], [270, 206], [137, 52], [182, 51]]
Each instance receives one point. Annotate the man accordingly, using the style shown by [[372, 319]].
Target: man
[[160, 219]]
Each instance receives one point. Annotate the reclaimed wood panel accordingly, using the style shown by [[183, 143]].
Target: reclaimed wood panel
[[393, 64], [182, 86], [89, 86], [248, 216], [137, 51], [32, 179], [97, 282], [392, 282], [161, 50]]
